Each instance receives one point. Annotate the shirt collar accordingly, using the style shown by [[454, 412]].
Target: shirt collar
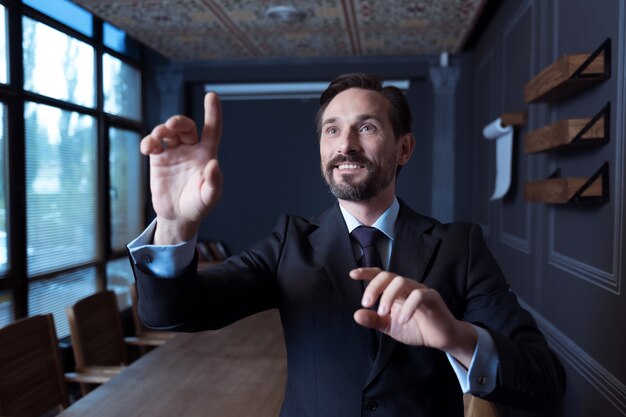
[[385, 223]]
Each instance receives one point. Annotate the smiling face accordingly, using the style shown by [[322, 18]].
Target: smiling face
[[359, 150]]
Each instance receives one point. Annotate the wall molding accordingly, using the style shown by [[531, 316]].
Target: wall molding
[[584, 364], [584, 271], [513, 241]]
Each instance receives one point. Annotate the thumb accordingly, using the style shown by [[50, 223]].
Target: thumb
[[212, 180], [371, 319]]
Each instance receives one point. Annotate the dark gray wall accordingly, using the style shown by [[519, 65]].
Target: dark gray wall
[[564, 262], [269, 151]]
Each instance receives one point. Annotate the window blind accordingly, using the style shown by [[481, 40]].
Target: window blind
[[61, 188], [56, 294]]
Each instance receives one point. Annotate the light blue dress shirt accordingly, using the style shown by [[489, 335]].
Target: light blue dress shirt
[[168, 261]]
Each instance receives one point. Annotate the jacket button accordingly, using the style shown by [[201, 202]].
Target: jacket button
[[371, 405]]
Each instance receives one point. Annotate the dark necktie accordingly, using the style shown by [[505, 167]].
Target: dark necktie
[[367, 237]]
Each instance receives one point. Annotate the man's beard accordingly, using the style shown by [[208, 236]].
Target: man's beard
[[378, 178]]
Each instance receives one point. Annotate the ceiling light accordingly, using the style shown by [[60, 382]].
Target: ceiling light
[[285, 14]]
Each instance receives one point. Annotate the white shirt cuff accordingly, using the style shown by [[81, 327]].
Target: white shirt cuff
[[163, 261], [480, 378]]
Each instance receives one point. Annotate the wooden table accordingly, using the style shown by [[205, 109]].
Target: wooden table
[[236, 371]]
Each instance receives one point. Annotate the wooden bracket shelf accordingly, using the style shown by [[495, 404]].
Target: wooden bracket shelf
[[514, 119], [574, 190], [570, 74], [571, 132]]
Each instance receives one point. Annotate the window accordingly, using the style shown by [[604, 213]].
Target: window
[[61, 188], [5, 308], [3, 194], [49, 54], [117, 40], [65, 12], [122, 88], [67, 290], [4, 73], [119, 279], [125, 186], [75, 165]]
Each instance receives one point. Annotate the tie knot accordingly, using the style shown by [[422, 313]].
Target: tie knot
[[367, 236]]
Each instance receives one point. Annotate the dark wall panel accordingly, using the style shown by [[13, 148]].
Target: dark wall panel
[[269, 155]]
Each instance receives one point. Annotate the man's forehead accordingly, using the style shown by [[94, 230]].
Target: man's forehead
[[356, 102]]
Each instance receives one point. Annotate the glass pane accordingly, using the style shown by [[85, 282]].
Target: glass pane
[[52, 55], [6, 312], [126, 190], [56, 294], [119, 41], [65, 12], [61, 188], [122, 88], [4, 71], [119, 278]]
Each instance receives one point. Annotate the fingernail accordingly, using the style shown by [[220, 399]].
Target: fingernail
[[367, 300], [403, 319], [382, 310]]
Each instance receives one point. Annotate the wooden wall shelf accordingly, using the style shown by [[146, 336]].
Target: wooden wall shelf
[[514, 119], [573, 190], [570, 74], [571, 132]]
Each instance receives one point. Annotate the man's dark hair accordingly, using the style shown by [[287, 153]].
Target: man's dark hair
[[400, 114]]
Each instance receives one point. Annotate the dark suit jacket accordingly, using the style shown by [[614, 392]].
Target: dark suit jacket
[[302, 269]]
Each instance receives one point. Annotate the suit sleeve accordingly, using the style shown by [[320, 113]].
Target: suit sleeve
[[530, 376], [217, 296]]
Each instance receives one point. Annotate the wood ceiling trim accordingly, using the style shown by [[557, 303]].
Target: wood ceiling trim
[[351, 24], [233, 28]]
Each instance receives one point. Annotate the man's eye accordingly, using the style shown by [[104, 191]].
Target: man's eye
[[331, 130], [367, 128]]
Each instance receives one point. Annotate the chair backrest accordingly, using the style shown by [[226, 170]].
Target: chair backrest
[[31, 374], [96, 331], [477, 407], [139, 327]]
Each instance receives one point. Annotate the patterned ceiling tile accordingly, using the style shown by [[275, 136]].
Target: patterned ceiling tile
[[250, 15], [199, 46], [303, 44], [239, 29], [406, 43], [411, 14], [159, 16]]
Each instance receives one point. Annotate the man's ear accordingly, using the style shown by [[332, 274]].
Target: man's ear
[[405, 148]]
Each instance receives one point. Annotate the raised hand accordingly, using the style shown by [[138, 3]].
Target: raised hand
[[185, 178], [413, 314]]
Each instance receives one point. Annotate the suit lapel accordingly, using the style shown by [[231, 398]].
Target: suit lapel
[[332, 243], [411, 254]]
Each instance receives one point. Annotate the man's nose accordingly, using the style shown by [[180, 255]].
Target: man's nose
[[349, 142]]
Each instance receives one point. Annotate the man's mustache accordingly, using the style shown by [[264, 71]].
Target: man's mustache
[[354, 159]]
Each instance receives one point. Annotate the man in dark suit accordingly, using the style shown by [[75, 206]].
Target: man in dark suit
[[427, 316]]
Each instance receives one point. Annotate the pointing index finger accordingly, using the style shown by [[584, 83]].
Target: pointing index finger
[[212, 129]]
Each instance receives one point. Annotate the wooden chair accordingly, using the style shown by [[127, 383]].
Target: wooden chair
[[477, 407], [31, 374], [98, 341]]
